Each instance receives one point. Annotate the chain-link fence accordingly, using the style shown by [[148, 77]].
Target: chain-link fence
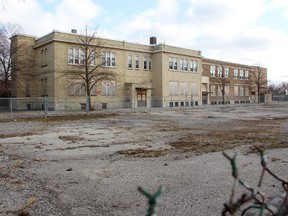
[[280, 98]]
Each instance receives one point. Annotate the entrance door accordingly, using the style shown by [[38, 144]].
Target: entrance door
[[141, 99]]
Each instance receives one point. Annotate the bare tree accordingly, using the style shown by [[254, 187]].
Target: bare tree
[[92, 66], [223, 80], [259, 81], [6, 52]]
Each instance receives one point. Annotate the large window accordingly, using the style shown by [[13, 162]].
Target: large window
[[173, 63], [75, 56], [77, 88], [220, 71], [145, 62], [247, 91], [241, 74], [213, 90], [44, 57], [108, 87], [183, 64], [226, 71], [173, 88], [236, 90], [212, 70], [150, 63], [129, 61], [137, 66], [193, 65], [246, 74], [194, 91], [235, 73], [227, 90], [108, 59], [184, 88], [241, 90]]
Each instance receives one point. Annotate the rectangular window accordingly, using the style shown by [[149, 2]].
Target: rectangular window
[[108, 59], [76, 87], [194, 91], [173, 88], [213, 90], [145, 61], [247, 91], [181, 65], [241, 74], [137, 66], [236, 90], [129, 61], [150, 63], [212, 70], [227, 90], [226, 70], [93, 58], [235, 73], [246, 74], [76, 56], [219, 92], [185, 63], [175, 66], [219, 71], [44, 57], [170, 63], [241, 90], [193, 65], [184, 88], [108, 88]]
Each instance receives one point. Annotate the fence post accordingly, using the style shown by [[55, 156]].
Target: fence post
[[87, 105], [11, 108], [45, 106]]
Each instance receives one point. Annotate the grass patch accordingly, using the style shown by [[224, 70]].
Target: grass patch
[[71, 138]]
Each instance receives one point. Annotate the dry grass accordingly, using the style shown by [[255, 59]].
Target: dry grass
[[71, 138], [144, 152]]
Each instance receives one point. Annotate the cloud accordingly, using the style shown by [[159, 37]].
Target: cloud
[[35, 20]]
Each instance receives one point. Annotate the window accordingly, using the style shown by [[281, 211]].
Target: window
[[193, 65], [172, 63], [220, 71], [246, 91], [150, 63], [219, 90], [241, 90], [185, 64], [184, 88], [108, 87], [213, 90], [236, 91], [108, 59], [173, 88], [194, 89], [145, 61], [137, 62], [235, 73], [227, 90], [181, 65], [93, 58], [212, 70], [226, 71], [246, 74], [44, 57], [74, 56], [129, 61], [241, 74]]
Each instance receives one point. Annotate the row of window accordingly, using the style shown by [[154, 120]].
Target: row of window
[[184, 87], [77, 56], [147, 62], [238, 73], [238, 90], [77, 88], [183, 64]]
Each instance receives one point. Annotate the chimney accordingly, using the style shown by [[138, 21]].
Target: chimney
[[74, 31], [153, 40]]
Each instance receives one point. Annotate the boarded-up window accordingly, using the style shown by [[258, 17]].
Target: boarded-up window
[[241, 90], [184, 88], [173, 88], [194, 90], [108, 88], [213, 90], [77, 88], [236, 91], [247, 91], [227, 90]]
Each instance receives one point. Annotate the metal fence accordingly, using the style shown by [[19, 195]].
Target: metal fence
[[280, 98]]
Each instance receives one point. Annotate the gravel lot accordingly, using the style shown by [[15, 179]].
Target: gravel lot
[[93, 167]]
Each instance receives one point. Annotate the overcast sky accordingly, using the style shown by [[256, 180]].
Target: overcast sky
[[250, 32]]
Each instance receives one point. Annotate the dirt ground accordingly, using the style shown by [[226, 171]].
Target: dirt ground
[[93, 166]]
